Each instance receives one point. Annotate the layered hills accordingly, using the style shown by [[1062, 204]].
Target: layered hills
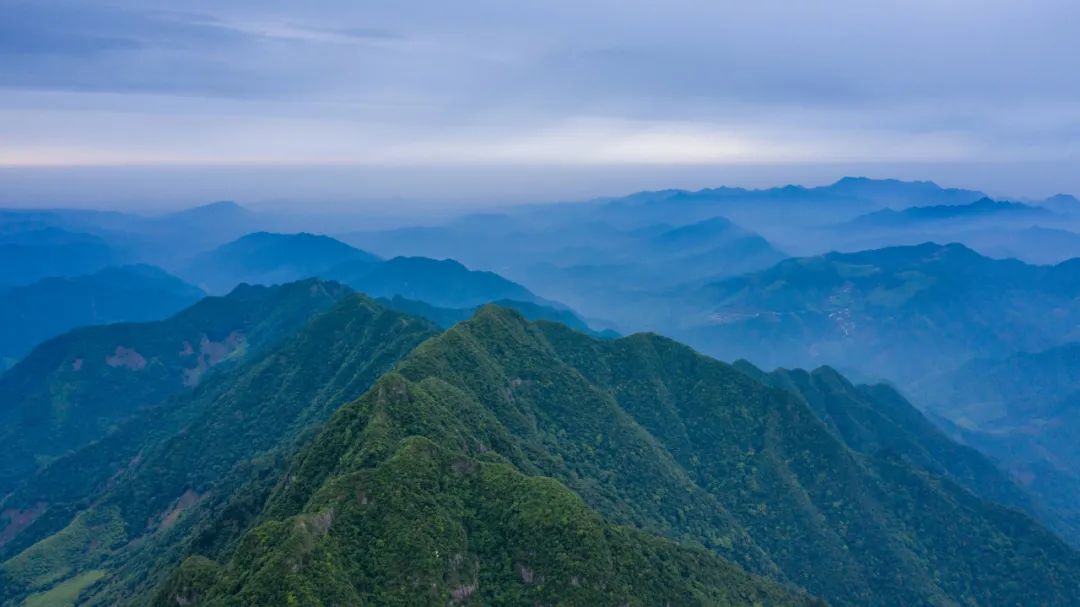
[[33, 313], [463, 475]]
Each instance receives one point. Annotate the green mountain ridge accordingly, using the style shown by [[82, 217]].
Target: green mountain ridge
[[201, 452], [650, 435], [72, 389], [504, 461], [447, 317]]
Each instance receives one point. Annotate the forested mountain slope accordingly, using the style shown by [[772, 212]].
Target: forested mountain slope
[[648, 434]]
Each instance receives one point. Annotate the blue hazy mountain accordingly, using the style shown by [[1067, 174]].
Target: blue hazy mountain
[[982, 209], [1024, 410], [1062, 203], [587, 262], [33, 313], [74, 388], [30, 255], [267, 258], [168, 240], [896, 312], [790, 204], [441, 282], [448, 317]]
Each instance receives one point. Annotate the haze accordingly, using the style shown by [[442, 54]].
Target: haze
[[141, 105]]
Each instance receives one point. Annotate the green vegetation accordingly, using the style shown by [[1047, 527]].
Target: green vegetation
[[212, 451], [447, 317], [428, 526], [74, 389], [509, 462], [86, 540], [649, 435], [33, 313], [65, 594]]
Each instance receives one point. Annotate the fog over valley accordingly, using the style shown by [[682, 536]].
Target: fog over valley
[[563, 303]]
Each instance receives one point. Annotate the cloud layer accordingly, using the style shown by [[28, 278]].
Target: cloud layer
[[530, 84]]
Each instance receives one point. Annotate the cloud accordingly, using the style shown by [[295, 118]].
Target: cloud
[[589, 82]]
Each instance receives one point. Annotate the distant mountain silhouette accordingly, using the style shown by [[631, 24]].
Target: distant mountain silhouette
[[267, 258], [897, 312], [28, 256], [980, 209], [32, 313]]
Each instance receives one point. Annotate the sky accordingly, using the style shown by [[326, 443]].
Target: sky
[[151, 103]]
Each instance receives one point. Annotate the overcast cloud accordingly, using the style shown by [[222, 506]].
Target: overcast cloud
[[408, 98]]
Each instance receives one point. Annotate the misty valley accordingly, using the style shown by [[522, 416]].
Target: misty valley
[[863, 394]]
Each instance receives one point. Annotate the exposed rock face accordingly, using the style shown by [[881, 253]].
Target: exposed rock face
[[126, 357], [211, 353]]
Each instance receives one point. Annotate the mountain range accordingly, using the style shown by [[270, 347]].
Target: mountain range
[[899, 312], [33, 313], [29, 256], [1024, 410], [268, 258], [74, 389], [979, 210], [413, 416], [509, 461]]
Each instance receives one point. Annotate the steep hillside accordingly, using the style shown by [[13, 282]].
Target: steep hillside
[[648, 434], [209, 451], [74, 388]]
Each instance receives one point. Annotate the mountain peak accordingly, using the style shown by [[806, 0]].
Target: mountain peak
[[220, 209]]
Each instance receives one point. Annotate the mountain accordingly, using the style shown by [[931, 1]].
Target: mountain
[[1032, 244], [275, 258], [982, 209], [895, 192], [875, 419], [444, 283], [454, 529], [447, 317], [49, 307], [619, 258], [1062, 203], [74, 389], [168, 240], [206, 452], [790, 204], [1024, 410], [29, 256], [898, 312], [265, 258], [506, 462], [223, 212], [586, 262], [1024, 385]]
